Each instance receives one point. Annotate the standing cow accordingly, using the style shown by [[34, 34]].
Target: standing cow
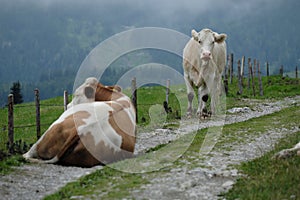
[[204, 59]]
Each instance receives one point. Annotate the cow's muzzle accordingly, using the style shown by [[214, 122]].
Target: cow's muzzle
[[206, 55]]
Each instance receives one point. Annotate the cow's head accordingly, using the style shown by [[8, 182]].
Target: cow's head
[[91, 90], [107, 93], [86, 92], [207, 40]]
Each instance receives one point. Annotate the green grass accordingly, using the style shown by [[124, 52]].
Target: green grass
[[115, 184], [24, 120], [7, 164], [274, 87], [268, 178], [256, 127], [107, 183]]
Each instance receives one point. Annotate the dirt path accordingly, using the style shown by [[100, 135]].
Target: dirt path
[[34, 181]]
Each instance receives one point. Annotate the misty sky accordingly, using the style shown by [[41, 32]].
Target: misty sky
[[162, 13], [266, 17], [160, 7]]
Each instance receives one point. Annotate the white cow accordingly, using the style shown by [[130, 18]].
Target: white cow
[[204, 59]]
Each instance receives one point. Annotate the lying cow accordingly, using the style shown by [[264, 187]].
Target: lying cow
[[289, 152], [98, 128], [204, 60]]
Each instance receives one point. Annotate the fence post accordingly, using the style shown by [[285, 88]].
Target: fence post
[[261, 91], [231, 67], [281, 71], [168, 91], [66, 100], [254, 68], [10, 123], [226, 78], [253, 82], [240, 78], [134, 97], [268, 70], [249, 74], [296, 72], [242, 66], [38, 115], [226, 86]]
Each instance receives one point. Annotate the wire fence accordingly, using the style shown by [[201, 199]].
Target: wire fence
[[19, 122], [24, 119]]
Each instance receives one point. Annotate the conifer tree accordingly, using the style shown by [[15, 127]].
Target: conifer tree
[[16, 91]]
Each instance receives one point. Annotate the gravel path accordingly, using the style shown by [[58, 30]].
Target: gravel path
[[34, 181]]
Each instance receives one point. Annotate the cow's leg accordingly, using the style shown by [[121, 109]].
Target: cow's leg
[[190, 95], [32, 153], [202, 99]]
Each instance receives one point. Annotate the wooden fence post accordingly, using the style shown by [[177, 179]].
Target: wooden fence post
[[268, 74], [66, 100], [243, 66], [134, 97], [226, 78], [240, 78], [38, 115], [254, 68], [168, 91], [249, 74], [281, 71], [11, 123], [231, 67], [226, 86], [253, 82], [261, 91]]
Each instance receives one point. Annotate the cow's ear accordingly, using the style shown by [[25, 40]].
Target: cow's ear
[[117, 88], [220, 37], [89, 92], [195, 35], [114, 88]]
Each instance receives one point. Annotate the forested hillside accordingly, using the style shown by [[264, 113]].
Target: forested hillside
[[42, 43]]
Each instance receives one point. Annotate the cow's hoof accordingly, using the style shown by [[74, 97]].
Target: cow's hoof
[[189, 115], [204, 114]]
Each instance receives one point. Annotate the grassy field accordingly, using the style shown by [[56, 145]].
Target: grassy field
[[152, 98]]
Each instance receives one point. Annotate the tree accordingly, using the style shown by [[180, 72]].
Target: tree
[[16, 91]]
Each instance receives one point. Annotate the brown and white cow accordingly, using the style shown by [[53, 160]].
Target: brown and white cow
[[204, 59], [90, 132]]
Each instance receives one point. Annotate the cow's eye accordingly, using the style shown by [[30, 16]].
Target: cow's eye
[[213, 42], [200, 42]]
